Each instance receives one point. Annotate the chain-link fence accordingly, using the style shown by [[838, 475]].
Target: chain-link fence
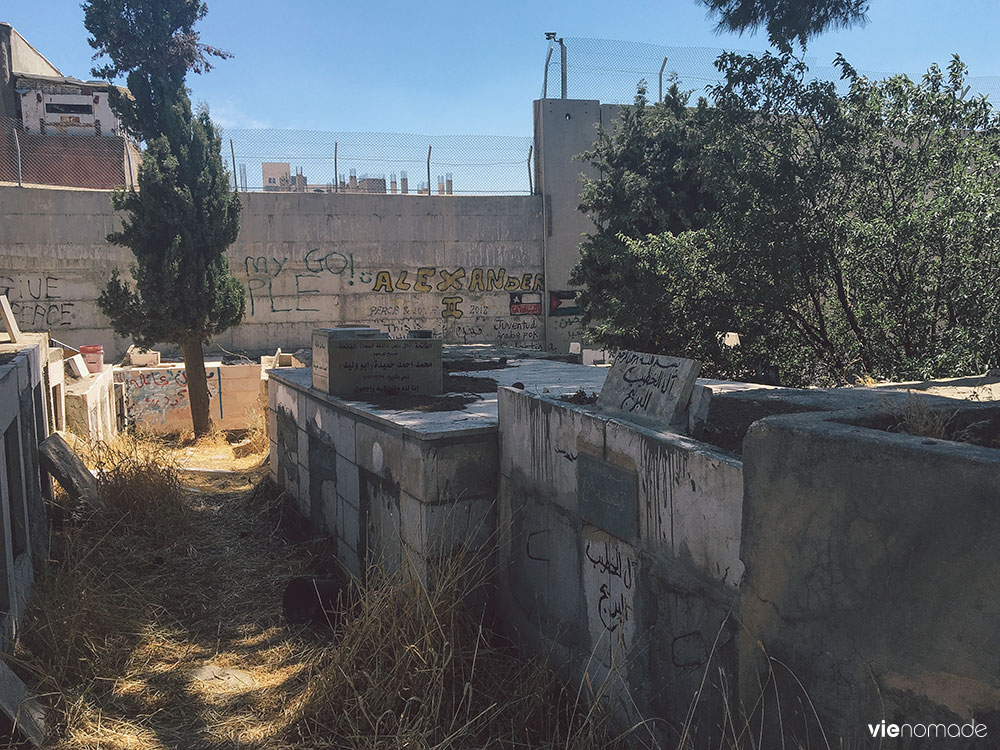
[[610, 70], [59, 157], [287, 161], [326, 162]]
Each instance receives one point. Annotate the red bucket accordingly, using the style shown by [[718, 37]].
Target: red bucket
[[93, 355]]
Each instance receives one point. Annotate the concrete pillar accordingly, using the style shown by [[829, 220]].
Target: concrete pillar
[[563, 129]]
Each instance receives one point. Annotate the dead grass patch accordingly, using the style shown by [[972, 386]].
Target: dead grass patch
[[168, 583]]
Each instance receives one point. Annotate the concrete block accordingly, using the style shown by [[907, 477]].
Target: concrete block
[[348, 481], [142, 357], [350, 526], [542, 441], [440, 528], [76, 366], [466, 469], [9, 321], [397, 457], [333, 423]]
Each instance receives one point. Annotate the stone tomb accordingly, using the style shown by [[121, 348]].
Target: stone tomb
[[359, 367], [649, 387]]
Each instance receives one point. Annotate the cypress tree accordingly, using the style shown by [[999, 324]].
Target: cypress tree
[[183, 216]]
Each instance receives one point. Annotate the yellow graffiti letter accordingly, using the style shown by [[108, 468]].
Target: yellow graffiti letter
[[476, 281], [421, 284], [450, 280], [495, 279], [383, 282]]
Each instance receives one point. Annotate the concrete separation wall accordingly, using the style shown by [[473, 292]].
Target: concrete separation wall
[[469, 268]]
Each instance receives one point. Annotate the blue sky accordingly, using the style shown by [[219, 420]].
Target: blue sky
[[470, 67]]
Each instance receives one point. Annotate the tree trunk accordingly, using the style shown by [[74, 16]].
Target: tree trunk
[[197, 384]]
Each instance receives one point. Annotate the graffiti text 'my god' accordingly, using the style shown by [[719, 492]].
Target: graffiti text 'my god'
[[262, 271]]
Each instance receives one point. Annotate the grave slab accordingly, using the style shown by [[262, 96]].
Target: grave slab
[[59, 460], [650, 388]]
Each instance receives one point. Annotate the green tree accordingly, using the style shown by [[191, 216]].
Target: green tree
[[184, 215], [848, 235], [786, 21], [649, 185]]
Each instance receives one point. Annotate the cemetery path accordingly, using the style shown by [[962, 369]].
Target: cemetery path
[[190, 650]]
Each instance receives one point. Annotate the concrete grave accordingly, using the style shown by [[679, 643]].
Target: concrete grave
[[649, 387], [59, 460], [366, 366]]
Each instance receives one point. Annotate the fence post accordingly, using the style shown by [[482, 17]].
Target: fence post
[[128, 163], [562, 60], [429, 193], [336, 172], [531, 188], [545, 79], [662, 67], [17, 146], [236, 184]]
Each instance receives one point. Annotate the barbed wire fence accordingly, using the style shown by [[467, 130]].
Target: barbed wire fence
[[287, 161], [327, 162], [282, 160], [610, 70]]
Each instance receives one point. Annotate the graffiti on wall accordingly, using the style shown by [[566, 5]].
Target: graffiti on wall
[[459, 304], [609, 576], [299, 281], [37, 301], [152, 395]]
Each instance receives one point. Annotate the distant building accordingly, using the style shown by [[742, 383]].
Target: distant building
[[65, 128], [276, 176]]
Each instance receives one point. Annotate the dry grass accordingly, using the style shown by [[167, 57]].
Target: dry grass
[[917, 417], [169, 577], [256, 433]]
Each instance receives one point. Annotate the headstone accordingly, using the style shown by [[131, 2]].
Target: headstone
[[142, 357], [698, 408], [24, 711], [59, 460], [9, 321], [649, 387], [77, 366], [609, 497], [371, 366]]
